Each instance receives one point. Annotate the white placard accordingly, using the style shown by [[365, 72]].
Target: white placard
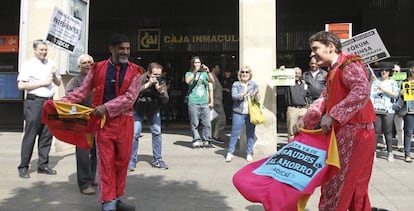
[[367, 45], [64, 30]]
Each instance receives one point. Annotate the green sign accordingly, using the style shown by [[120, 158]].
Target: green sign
[[283, 77], [399, 76]]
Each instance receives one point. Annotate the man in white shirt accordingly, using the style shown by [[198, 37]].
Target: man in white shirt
[[38, 76]]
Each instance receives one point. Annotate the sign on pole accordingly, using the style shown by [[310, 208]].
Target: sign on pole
[[64, 30], [367, 45]]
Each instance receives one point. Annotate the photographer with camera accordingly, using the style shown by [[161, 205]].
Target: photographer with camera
[[197, 79], [153, 93]]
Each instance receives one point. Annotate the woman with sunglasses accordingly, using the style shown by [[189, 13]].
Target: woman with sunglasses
[[383, 91], [240, 91]]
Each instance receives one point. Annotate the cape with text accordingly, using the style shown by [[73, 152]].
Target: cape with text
[[72, 123]]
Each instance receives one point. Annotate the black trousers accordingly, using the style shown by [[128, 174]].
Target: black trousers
[[85, 166], [35, 128]]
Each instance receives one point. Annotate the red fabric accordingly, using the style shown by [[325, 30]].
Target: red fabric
[[337, 91], [76, 131], [348, 189], [277, 196]]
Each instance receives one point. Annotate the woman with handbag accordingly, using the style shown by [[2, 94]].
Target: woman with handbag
[[241, 91], [383, 91]]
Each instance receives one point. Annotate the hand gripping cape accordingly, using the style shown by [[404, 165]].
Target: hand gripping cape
[[72, 123], [286, 180]]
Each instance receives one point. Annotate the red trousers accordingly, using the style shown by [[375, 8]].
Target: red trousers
[[348, 189], [114, 144]]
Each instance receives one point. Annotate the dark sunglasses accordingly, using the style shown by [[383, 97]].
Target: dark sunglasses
[[241, 72]]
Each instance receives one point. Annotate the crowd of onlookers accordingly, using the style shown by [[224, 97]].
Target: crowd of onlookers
[[394, 123]]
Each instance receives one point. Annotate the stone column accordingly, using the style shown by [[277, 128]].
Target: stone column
[[258, 50]]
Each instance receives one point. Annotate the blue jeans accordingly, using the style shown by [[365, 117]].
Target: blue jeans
[[238, 121], [155, 127], [200, 116], [408, 132]]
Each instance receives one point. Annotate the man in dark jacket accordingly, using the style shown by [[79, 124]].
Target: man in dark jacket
[[153, 92], [315, 78]]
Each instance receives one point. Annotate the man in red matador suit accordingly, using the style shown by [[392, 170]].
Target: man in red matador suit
[[345, 105], [116, 83]]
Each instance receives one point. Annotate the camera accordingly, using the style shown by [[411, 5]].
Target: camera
[[160, 80], [203, 68]]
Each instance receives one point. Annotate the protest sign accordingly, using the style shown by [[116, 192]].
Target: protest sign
[[408, 88], [283, 77], [367, 45], [64, 30]]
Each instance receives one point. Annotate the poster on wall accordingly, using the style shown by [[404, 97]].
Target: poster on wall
[[9, 43], [8, 86], [78, 9], [342, 30]]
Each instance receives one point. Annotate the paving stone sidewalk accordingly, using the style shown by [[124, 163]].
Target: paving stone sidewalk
[[198, 179]]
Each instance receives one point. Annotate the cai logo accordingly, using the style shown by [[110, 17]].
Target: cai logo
[[149, 39]]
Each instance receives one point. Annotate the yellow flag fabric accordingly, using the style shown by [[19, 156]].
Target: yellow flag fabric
[[72, 123]]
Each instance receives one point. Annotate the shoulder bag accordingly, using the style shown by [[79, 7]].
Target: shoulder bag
[[255, 112]]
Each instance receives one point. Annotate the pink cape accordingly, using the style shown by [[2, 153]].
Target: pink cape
[[278, 196]]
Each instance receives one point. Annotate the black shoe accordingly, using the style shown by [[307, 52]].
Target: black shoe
[[23, 173], [378, 209], [121, 206], [217, 141], [46, 170]]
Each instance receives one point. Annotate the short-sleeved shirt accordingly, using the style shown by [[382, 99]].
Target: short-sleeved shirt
[[381, 100], [198, 94], [33, 71]]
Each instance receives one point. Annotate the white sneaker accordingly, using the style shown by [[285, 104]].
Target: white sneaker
[[229, 156], [390, 157], [197, 144], [249, 158]]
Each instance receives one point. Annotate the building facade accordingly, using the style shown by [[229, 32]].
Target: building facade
[[262, 34]]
